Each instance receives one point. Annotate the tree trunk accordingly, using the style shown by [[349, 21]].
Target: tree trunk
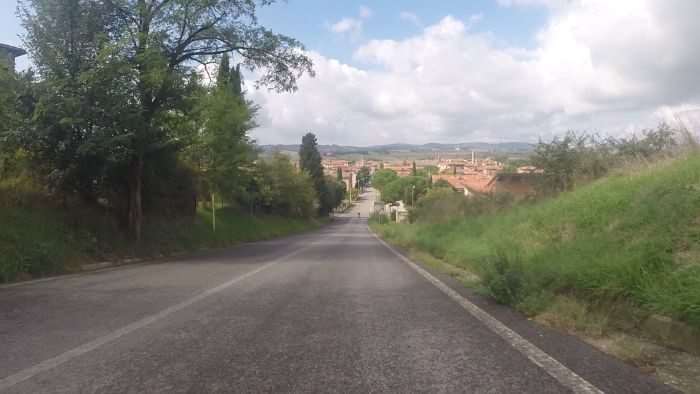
[[135, 206]]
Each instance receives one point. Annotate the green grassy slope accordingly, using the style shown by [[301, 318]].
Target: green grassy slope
[[632, 237], [36, 242]]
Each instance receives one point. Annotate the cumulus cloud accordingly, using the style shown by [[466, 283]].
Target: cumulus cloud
[[603, 66], [352, 25], [347, 25]]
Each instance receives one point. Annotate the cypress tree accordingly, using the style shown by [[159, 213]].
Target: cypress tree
[[236, 81], [223, 77], [310, 161]]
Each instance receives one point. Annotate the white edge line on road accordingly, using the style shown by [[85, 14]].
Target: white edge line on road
[[557, 370], [54, 362]]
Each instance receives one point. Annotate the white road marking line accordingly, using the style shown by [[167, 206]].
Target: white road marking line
[[54, 362], [557, 370]]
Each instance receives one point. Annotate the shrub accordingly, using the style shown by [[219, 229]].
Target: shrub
[[503, 276]]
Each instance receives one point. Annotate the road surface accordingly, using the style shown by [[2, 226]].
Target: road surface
[[329, 311]]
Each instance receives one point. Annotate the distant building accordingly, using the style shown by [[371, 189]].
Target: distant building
[[8, 54]]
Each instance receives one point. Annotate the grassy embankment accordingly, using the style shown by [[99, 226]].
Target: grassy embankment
[[35, 242], [621, 248]]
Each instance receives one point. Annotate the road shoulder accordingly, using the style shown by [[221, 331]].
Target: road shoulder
[[605, 372]]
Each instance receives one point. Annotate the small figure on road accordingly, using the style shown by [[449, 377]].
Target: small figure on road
[[358, 214]]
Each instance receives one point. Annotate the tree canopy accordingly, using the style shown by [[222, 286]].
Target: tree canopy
[[408, 189], [120, 82]]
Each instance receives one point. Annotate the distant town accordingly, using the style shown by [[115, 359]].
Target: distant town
[[469, 174]]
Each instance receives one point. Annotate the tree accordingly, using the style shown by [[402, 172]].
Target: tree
[[414, 171], [339, 174], [430, 170], [442, 184], [382, 178], [230, 77], [559, 160], [280, 189], [145, 53], [221, 149], [73, 135], [310, 158], [9, 119], [409, 189], [363, 177], [332, 193], [310, 162]]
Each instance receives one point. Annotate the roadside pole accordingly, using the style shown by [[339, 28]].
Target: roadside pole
[[213, 213]]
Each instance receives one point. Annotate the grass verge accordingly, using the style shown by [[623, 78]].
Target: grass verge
[[36, 242], [632, 237], [596, 262]]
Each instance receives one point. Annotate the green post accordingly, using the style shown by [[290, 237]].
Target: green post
[[213, 213]]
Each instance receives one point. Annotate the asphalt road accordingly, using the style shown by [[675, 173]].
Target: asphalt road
[[329, 311]]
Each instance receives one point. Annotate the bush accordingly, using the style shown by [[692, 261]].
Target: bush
[[503, 276], [281, 190], [582, 157], [444, 204], [408, 189]]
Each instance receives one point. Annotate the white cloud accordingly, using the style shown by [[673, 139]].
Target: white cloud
[[351, 25], [347, 25], [597, 65]]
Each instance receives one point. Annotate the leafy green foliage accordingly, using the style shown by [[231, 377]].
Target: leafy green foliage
[[333, 193], [39, 241], [310, 159], [584, 157], [119, 87], [221, 150], [442, 204], [442, 184], [330, 192], [281, 189], [634, 237], [363, 177], [381, 178], [409, 189]]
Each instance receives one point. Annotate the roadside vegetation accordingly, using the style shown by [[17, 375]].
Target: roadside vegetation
[[612, 237], [121, 142], [41, 241]]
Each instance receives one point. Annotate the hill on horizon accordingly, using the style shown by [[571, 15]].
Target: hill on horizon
[[497, 147]]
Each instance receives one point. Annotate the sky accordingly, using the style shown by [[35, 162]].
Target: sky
[[480, 70]]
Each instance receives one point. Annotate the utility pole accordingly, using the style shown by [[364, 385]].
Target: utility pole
[[413, 195]]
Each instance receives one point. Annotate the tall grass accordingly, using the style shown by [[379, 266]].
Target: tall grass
[[633, 236], [41, 240]]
